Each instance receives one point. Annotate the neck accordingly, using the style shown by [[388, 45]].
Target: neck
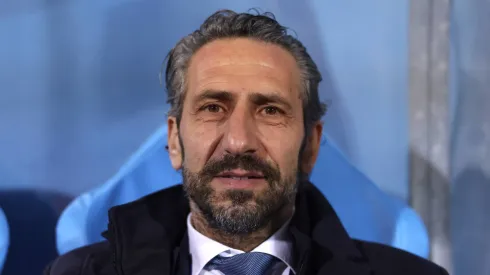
[[245, 242]]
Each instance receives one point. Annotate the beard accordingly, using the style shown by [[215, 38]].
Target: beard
[[248, 211]]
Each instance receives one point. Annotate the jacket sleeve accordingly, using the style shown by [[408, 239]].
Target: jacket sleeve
[[65, 265], [395, 261], [89, 260]]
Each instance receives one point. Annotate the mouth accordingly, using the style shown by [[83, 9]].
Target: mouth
[[241, 175], [240, 179]]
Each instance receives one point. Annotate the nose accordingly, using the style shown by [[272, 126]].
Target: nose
[[240, 135]]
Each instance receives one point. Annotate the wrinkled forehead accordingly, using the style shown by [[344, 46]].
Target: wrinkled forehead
[[241, 63], [242, 51]]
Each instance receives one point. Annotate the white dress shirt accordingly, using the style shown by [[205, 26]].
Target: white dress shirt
[[204, 249]]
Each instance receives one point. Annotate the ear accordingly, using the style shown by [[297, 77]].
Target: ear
[[174, 149], [312, 148]]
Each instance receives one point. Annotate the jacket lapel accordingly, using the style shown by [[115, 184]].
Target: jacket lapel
[[146, 233], [322, 245], [182, 258]]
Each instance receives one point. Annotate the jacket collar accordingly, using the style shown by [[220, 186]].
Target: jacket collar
[[144, 237], [322, 244]]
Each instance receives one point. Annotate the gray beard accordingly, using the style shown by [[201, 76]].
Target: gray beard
[[248, 212]]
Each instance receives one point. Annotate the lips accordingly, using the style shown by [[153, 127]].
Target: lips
[[241, 174]]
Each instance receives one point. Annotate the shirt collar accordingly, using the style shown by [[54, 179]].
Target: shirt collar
[[204, 249]]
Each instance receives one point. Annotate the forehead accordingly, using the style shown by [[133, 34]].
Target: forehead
[[246, 64]]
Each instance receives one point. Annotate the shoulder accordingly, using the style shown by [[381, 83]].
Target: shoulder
[[93, 259], [391, 260]]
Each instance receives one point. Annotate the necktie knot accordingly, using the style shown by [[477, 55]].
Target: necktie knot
[[252, 263]]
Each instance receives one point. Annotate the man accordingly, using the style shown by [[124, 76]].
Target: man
[[244, 128]]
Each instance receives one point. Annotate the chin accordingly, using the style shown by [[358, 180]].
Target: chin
[[235, 198]]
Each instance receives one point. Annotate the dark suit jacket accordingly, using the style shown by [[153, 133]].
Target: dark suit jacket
[[148, 237]]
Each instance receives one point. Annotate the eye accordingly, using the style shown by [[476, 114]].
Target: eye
[[271, 110], [212, 108]]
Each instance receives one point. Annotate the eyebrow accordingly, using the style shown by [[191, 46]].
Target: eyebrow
[[215, 94]]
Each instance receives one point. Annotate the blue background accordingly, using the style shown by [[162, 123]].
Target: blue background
[[80, 89]]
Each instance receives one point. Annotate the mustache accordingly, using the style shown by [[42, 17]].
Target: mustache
[[245, 162]]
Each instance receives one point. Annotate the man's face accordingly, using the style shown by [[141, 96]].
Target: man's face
[[241, 130]]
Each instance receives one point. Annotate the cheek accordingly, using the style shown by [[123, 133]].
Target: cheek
[[284, 150], [196, 145]]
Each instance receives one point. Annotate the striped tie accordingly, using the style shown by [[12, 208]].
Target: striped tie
[[253, 263]]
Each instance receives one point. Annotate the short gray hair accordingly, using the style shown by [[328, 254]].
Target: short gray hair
[[263, 27]]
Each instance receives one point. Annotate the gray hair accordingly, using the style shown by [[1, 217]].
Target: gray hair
[[225, 24]]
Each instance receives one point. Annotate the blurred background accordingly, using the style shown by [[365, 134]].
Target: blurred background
[[408, 83]]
